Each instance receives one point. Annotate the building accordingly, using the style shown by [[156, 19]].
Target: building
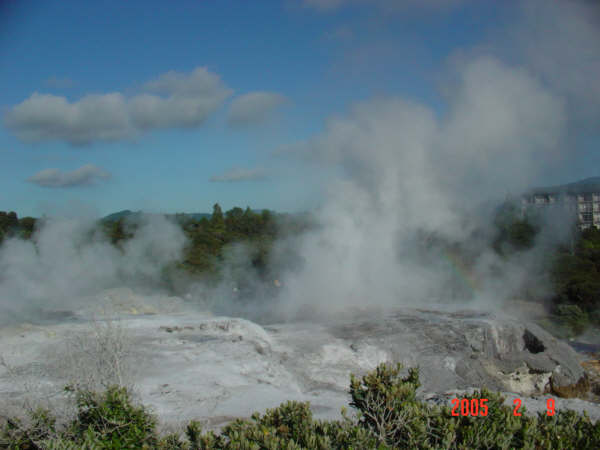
[[581, 199]]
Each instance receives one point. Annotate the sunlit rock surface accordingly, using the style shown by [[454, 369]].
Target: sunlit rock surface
[[188, 364]]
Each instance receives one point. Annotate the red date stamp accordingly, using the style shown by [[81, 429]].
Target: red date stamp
[[479, 407], [470, 407]]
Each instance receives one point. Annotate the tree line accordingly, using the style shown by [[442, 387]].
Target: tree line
[[573, 270], [210, 238], [12, 226]]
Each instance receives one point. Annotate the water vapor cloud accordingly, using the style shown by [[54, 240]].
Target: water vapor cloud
[[55, 178], [404, 176], [409, 174], [174, 100], [68, 261], [558, 41], [254, 108]]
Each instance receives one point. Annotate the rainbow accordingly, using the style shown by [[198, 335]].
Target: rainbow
[[461, 270]]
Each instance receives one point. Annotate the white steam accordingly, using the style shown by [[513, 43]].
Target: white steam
[[409, 173], [68, 259]]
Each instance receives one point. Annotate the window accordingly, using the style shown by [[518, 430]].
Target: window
[[585, 207], [587, 217]]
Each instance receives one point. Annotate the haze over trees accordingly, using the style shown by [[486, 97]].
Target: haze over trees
[[11, 225], [573, 270]]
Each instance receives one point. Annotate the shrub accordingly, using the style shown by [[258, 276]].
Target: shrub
[[388, 408], [26, 436], [388, 416], [573, 316], [110, 419]]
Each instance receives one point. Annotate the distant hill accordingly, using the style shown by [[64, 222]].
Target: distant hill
[[118, 215], [585, 186], [134, 214], [198, 216]]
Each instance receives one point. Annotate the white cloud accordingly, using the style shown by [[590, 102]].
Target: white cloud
[[85, 175], [241, 174], [189, 100], [199, 83], [183, 101], [254, 107], [49, 117]]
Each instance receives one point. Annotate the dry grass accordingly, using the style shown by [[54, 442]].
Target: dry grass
[[99, 357], [93, 358]]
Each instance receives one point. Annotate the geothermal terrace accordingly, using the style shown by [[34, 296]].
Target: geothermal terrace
[[187, 364]]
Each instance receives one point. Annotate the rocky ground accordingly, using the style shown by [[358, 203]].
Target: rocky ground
[[188, 364]]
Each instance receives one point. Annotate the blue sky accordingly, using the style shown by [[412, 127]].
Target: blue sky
[[172, 106]]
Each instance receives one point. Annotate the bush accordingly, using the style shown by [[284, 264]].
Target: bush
[[388, 408], [576, 275], [388, 416], [16, 434], [573, 316], [111, 420]]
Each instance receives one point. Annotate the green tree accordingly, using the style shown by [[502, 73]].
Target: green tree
[[251, 223], [514, 232], [576, 278], [217, 221], [27, 225], [235, 213], [267, 223], [8, 221], [233, 221], [119, 231]]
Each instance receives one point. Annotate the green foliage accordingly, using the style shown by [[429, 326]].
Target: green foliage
[[386, 402], [514, 232], [573, 316], [576, 278], [574, 272], [216, 221], [499, 429], [111, 420], [12, 226], [209, 239], [210, 242], [194, 433], [119, 231], [388, 416], [8, 220], [27, 226], [17, 435], [290, 426]]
